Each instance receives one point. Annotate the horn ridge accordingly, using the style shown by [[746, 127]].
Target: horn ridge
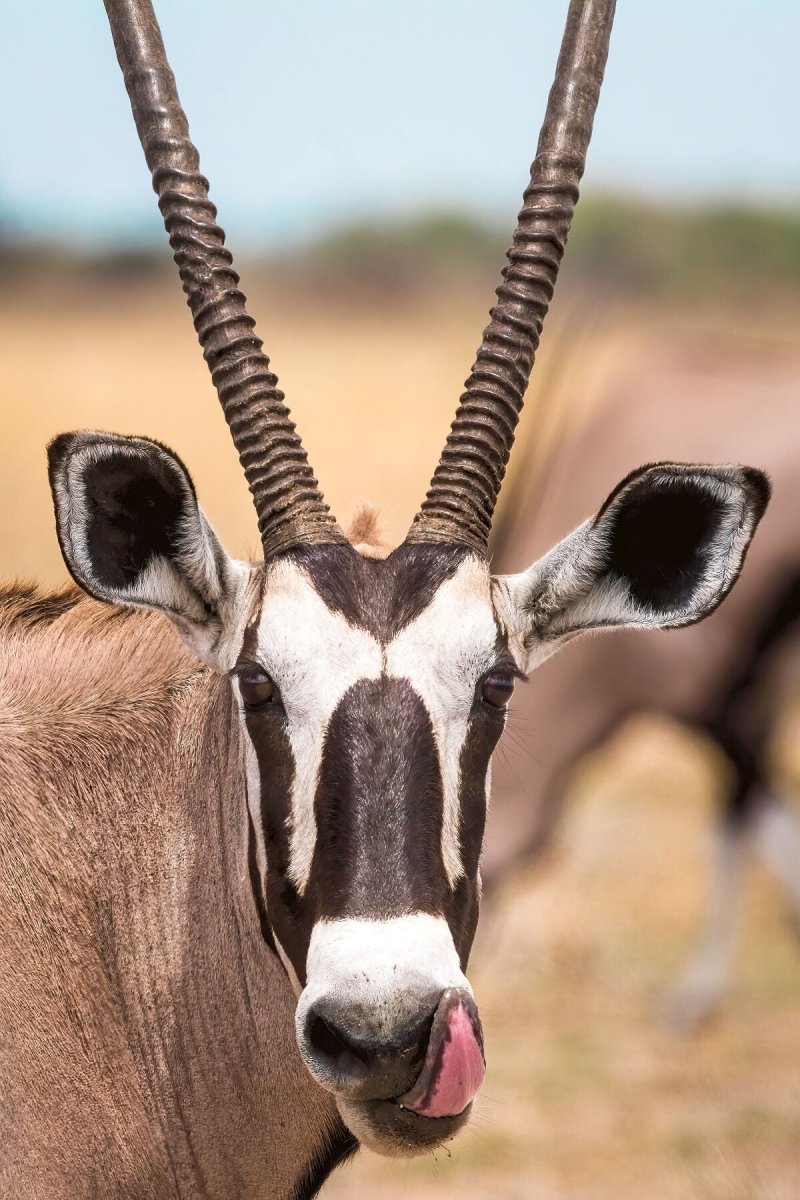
[[288, 502], [454, 509]]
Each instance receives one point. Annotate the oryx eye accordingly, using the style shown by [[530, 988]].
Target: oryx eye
[[256, 687], [498, 688]]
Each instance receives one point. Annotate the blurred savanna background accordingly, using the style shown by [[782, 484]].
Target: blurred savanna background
[[367, 161]]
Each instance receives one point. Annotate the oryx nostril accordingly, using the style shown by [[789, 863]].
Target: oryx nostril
[[329, 1042]]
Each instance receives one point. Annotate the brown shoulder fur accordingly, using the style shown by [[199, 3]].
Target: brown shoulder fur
[[64, 655], [128, 924]]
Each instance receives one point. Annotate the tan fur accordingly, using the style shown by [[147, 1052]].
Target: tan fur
[[146, 1030], [364, 533]]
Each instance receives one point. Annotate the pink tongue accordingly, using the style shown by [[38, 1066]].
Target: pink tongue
[[454, 1068]]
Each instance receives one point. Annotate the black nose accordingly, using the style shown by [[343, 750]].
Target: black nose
[[359, 1064]]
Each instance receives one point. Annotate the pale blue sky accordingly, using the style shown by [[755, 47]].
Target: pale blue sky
[[310, 112]]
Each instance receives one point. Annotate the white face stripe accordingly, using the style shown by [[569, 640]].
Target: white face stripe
[[442, 654], [288, 965], [253, 782], [314, 656], [253, 785]]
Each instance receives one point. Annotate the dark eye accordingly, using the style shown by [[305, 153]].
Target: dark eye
[[256, 687], [498, 689]]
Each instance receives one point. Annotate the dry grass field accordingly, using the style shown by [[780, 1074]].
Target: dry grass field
[[589, 1095]]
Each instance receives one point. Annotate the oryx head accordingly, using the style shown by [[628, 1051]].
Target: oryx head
[[372, 690]]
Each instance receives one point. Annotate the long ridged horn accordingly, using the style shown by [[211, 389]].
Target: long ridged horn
[[463, 492], [288, 502]]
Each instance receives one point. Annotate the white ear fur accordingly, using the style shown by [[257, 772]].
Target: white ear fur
[[185, 574], [621, 568]]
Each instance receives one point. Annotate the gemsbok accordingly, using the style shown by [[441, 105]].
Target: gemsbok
[[240, 866]]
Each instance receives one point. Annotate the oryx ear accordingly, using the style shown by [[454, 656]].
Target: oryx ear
[[663, 551], [132, 533]]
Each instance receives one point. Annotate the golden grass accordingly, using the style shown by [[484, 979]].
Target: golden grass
[[372, 387]]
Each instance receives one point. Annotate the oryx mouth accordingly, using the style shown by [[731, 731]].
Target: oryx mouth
[[454, 1066]]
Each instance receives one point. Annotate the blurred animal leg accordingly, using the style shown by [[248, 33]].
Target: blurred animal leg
[[777, 840], [702, 985]]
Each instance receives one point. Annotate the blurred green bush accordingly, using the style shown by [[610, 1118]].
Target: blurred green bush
[[628, 246]]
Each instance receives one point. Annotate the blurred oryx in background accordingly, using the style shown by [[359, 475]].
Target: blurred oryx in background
[[729, 679]]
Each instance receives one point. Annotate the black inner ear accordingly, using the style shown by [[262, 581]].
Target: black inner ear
[[660, 541], [134, 508]]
